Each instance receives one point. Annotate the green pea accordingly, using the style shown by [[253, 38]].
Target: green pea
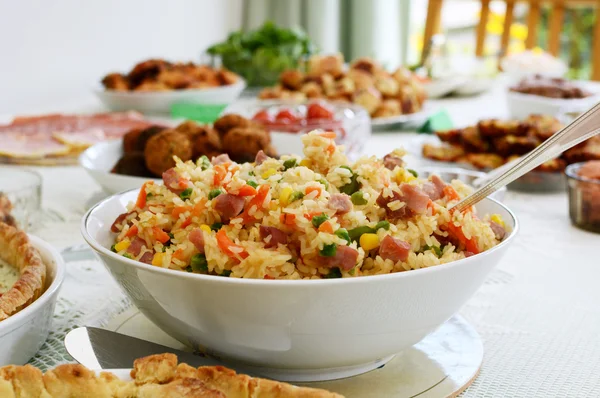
[[358, 199], [216, 226], [226, 272], [328, 250], [251, 173], [203, 162], [356, 233], [252, 183], [290, 163], [186, 194], [113, 249], [435, 249], [333, 273], [324, 182], [343, 233], [199, 263], [318, 220], [127, 255], [296, 196], [214, 193], [189, 268], [382, 224]]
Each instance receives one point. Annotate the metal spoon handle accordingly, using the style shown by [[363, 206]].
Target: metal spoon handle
[[585, 126]]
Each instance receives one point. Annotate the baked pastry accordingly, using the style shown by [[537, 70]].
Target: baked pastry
[[18, 256], [153, 376]]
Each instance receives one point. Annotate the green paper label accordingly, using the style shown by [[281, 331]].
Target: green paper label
[[203, 113]]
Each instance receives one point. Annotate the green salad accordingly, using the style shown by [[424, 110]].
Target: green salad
[[261, 55]]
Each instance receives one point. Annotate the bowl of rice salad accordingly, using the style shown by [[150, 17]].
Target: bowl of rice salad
[[309, 267]]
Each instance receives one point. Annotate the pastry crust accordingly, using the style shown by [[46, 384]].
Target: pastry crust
[[155, 376], [16, 251]]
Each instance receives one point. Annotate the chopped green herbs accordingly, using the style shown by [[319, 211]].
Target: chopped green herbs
[[214, 193], [189, 268], [328, 250], [353, 185], [127, 255], [295, 196], [203, 162], [356, 233], [324, 182], [199, 263], [113, 249], [437, 250], [318, 220]]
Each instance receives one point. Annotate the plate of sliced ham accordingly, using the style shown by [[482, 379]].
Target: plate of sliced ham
[[56, 139]]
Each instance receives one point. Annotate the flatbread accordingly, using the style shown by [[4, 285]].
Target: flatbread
[[156, 376]]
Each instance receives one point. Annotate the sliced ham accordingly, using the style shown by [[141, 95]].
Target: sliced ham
[[117, 226], [228, 206], [394, 249], [340, 202], [136, 246], [147, 258], [174, 182], [499, 231], [196, 236], [260, 157], [415, 200], [345, 258], [277, 236], [223, 158], [434, 188], [391, 161]]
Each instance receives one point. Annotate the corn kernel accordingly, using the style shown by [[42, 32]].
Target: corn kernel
[[205, 228], [268, 173], [158, 259], [497, 219], [305, 162], [284, 196], [369, 241], [122, 245]]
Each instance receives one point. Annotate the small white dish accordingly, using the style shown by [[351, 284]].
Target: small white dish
[[160, 102], [302, 328], [22, 334], [520, 105]]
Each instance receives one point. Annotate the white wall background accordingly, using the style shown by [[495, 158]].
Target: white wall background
[[53, 51]]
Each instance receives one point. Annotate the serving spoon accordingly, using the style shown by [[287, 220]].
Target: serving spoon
[[585, 126]]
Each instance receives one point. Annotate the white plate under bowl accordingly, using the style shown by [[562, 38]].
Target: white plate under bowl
[[99, 160], [438, 88], [309, 327], [160, 102], [22, 334], [412, 118]]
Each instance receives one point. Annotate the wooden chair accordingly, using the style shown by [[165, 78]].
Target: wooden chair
[[433, 26]]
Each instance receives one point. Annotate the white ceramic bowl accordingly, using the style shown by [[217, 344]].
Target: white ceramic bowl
[[520, 105], [296, 330], [22, 334], [160, 102]]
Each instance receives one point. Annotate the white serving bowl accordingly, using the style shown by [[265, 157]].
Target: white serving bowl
[[22, 334], [160, 102], [296, 330], [520, 105]]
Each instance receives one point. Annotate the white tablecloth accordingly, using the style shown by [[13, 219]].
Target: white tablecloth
[[538, 313]]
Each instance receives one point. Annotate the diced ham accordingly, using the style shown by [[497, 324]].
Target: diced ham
[[196, 236], [468, 253], [415, 200], [223, 158], [434, 188], [499, 231], [174, 182], [147, 258], [228, 205], [277, 236], [394, 249], [136, 246], [345, 258], [438, 182], [391, 161], [117, 226], [260, 157], [340, 202]]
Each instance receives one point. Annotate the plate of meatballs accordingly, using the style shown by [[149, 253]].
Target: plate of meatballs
[[155, 85], [145, 154]]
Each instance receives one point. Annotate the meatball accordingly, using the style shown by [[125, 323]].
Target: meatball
[[206, 142], [366, 64], [161, 148], [243, 143], [130, 140], [332, 64], [132, 164], [292, 79], [389, 107], [228, 122], [116, 81], [145, 135]]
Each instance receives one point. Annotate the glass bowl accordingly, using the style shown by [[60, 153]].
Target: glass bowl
[[351, 123], [584, 199], [23, 188]]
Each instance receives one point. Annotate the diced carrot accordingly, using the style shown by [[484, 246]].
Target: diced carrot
[[132, 231], [326, 227], [225, 244], [268, 277], [314, 189], [247, 190], [287, 219], [179, 210], [183, 182], [141, 199], [328, 134], [309, 216], [186, 222], [450, 193], [220, 173], [330, 149], [431, 206], [470, 244], [160, 235], [179, 254], [257, 201], [199, 207]]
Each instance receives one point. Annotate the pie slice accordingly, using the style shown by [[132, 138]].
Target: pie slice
[[156, 376], [22, 272]]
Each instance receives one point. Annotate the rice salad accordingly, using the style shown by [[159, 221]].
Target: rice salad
[[314, 217]]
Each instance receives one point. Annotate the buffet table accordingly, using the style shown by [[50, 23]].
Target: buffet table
[[537, 314]]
